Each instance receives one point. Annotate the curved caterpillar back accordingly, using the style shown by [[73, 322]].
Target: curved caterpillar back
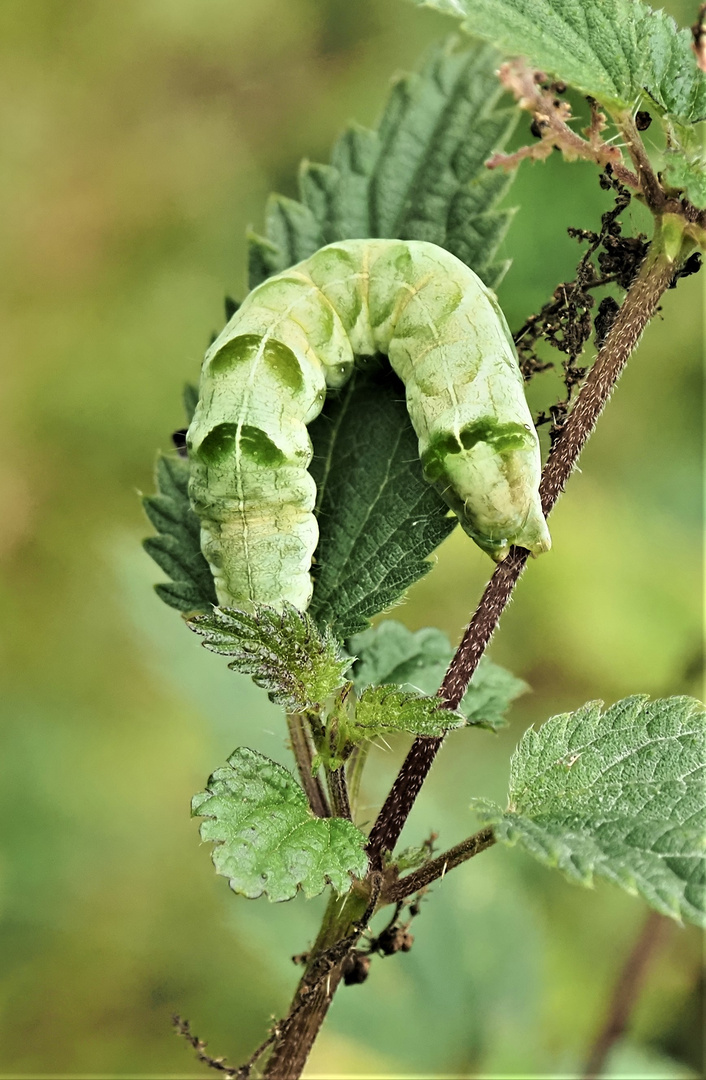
[[265, 377]]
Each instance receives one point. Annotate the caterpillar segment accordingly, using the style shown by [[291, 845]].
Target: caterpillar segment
[[265, 378]]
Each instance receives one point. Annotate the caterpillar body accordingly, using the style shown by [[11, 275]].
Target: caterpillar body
[[296, 335]]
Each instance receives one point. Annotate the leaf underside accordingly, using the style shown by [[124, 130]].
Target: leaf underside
[[685, 164], [390, 653], [284, 652], [620, 794], [266, 839]]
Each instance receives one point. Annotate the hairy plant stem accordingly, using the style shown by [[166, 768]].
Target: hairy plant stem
[[343, 923], [314, 993], [437, 868], [338, 790], [637, 309]]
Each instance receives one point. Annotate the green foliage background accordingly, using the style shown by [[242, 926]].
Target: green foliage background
[[139, 139]]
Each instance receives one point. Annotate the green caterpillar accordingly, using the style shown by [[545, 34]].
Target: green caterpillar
[[265, 378]]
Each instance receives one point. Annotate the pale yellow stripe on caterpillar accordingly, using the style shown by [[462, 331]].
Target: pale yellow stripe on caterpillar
[[243, 516]]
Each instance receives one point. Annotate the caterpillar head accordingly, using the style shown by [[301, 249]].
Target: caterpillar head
[[489, 475]]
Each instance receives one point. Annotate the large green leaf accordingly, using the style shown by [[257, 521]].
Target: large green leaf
[[266, 838], [621, 794], [284, 652], [379, 520], [420, 176], [615, 50], [390, 653]]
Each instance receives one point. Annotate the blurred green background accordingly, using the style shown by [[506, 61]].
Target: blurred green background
[[139, 139]]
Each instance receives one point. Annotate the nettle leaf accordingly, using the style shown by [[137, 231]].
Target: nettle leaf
[[267, 840], [379, 520], [420, 176], [176, 548], [615, 50], [669, 73], [284, 652], [384, 710], [390, 653], [685, 163], [621, 794]]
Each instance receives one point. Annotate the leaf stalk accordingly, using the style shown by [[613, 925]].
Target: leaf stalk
[[303, 755]]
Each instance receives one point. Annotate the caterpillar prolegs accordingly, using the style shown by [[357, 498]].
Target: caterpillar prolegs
[[265, 378]]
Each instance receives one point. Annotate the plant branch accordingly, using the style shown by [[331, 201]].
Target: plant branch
[[637, 309], [338, 790], [301, 748], [343, 924], [626, 992], [437, 868]]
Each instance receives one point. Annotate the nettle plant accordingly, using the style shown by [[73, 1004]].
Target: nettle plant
[[367, 397]]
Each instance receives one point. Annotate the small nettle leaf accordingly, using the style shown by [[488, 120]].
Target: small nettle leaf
[[685, 163], [615, 50], [284, 652], [383, 710], [379, 520], [669, 72], [390, 653], [266, 838], [420, 176], [620, 794], [176, 549]]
